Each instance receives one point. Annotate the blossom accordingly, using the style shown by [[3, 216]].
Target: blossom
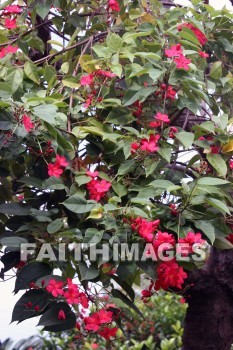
[[172, 132], [107, 333], [9, 49], [61, 315], [93, 322], [215, 149], [92, 174], [10, 23], [231, 163], [27, 123], [230, 238], [86, 79], [163, 238], [199, 35], [114, 5], [55, 287], [150, 145], [54, 170], [182, 62], [98, 188], [162, 117], [190, 239], [134, 147], [145, 228], [170, 93], [94, 346], [105, 73], [174, 51], [61, 161], [138, 109], [170, 274], [14, 9], [74, 296], [203, 54]]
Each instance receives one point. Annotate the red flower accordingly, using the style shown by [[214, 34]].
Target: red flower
[[61, 161], [27, 123], [170, 274], [230, 238], [134, 147], [114, 5], [105, 73], [174, 51], [170, 93], [86, 79], [162, 117], [55, 287], [200, 36], [215, 149], [138, 111], [191, 239], [8, 49], [93, 322], [94, 346], [37, 308], [107, 333], [172, 132], [10, 23], [150, 145], [92, 174], [182, 300], [162, 238], [145, 228], [61, 315], [74, 296], [231, 163], [98, 188], [203, 54], [12, 9], [182, 62], [54, 170]]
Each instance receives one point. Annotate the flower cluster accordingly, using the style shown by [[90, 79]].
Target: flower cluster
[[97, 188], [170, 275], [145, 228], [70, 292], [9, 49], [176, 52], [160, 119], [56, 169], [166, 91], [97, 322], [146, 145], [113, 5], [10, 14]]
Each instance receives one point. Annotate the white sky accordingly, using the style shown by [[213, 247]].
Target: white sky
[[8, 300]]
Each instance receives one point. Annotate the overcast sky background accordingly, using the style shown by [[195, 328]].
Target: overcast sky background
[[8, 299]]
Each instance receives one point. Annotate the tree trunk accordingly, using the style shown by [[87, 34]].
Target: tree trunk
[[209, 318]]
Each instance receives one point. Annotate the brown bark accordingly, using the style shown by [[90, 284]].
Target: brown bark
[[209, 319]]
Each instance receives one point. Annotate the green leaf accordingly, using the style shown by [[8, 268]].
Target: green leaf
[[216, 203], [43, 7], [88, 273], [31, 72], [119, 188], [71, 82], [206, 126], [31, 273], [79, 205], [119, 116], [212, 181], [5, 91], [113, 42], [186, 138], [14, 78], [37, 297], [216, 70], [46, 112], [55, 226], [217, 163], [93, 236], [14, 209], [207, 228], [165, 153], [126, 167], [119, 295], [161, 184], [50, 319]]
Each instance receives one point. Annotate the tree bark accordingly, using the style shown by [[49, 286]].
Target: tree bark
[[209, 318]]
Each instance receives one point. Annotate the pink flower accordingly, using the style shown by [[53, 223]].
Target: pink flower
[[105, 73], [107, 333], [231, 163], [55, 287], [61, 161], [174, 51], [114, 5], [170, 93], [150, 145], [14, 9], [27, 123], [170, 274], [172, 132], [54, 170], [94, 346], [134, 147], [92, 174], [182, 62], [93, 322], [191, 239], [8, 49], [86, 79], [10, 24], [203, 54], [74, 296], [215, 149], [98, 188], [162, 117], [162, 238], [199, 35], [61, 315]]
